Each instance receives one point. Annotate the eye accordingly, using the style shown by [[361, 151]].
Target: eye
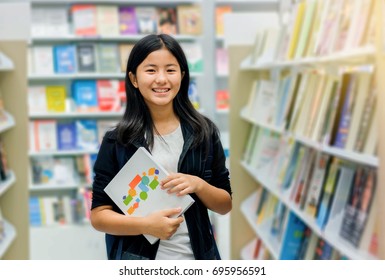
[[171, 70], [150, 70]]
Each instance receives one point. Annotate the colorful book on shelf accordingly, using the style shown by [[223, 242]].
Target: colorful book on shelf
[[124, 53], [87, 134], [220, 11], [37, 99], [189, 19], [136, 191], [296, 28], [84, 19], [316, 183], [66, 135], [49, 21], [323, 250], [194, 56], [43, 135], [222, 61], [358, 206], [292, 239], [328, 191], [86, 54], [41, 170], [344, 22], [64, 170], [364, 90], [108, 98], [344, 120], [85, 96], [147, 19], [107, 58], [167, 20], [43, 59], [107, 20], [65, 59], [34, 212], [222, 99], [127, 20], [56, 98]]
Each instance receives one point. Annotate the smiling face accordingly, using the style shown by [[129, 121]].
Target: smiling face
[[158, 79]]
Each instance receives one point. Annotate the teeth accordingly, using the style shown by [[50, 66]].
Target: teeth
[[161, 90]]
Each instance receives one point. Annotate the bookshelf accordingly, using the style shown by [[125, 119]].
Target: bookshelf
[[13, 86], [244, 71]]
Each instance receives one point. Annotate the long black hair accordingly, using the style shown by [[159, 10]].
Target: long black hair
[[136, 124]]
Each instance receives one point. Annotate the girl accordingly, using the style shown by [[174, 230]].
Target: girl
[[160, 117]]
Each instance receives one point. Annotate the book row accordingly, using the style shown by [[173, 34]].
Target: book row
[[333, 109], [59, 171], [316, 28], [86, 96], [60, 210], [92, 57], [335, 195], [57, 135], [114, 20]]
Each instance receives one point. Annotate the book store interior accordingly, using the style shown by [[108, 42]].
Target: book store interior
[[293, 86]]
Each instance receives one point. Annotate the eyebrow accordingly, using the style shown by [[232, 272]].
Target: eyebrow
[[155, 65]]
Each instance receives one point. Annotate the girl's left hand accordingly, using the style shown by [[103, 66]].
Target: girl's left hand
[[182, 184]]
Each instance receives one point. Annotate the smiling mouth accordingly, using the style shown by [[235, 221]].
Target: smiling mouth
[[164, 90]]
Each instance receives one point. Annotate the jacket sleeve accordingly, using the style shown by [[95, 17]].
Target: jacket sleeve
[[105, 168], [220, 174]]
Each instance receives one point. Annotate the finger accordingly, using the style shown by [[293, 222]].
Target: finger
[[171, 212]]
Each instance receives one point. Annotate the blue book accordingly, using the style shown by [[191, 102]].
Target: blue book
[[87, 134], [293, 237], [66, 135], [64, 59], [85, 95], [34, 211]]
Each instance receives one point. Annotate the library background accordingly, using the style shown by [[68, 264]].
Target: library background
[[296, 93]]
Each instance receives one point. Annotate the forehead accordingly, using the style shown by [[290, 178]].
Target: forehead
[[160, 57]]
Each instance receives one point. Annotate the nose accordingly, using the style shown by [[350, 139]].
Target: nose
[[161, 77]]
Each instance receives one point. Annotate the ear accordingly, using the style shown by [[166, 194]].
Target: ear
[[133, 79], [183, 74]]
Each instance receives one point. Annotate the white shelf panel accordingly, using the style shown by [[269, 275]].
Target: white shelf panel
[[10, 236], [81, 76], [73, 115], [350, 55], [119, 38], [6, 64], [62, 153], [5, 185]]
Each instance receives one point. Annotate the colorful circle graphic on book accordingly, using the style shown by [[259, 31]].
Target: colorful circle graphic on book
[[139, 188]]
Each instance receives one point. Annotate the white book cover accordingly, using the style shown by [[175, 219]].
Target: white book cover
[[37, 99], [43, 60], [136, 191]]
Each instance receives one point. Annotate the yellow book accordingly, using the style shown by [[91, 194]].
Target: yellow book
[[220, 11], [56, 98], [299, 15], [306, 29]]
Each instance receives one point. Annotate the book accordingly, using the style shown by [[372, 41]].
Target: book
[[222, 99], [84, 94], [194, 56], [124, 53], [65, 59], [86, 54], [107, 20], [292, 238], [43, 59], [136, 191], [37, 100], [189, 19], [87, 134], [107, 58], [56, 98], [107, 94], [66, 135], [84, 19], [127, 20], [43, 135], [147, 19], [220, 11], [167, 20]]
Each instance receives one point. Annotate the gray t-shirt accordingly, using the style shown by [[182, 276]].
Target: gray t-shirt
[[166, 151]]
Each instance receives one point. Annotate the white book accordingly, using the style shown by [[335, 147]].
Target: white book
[[42, 59], [44, 132], [37, 99], [56, 22], [107, 18], [136, 191]]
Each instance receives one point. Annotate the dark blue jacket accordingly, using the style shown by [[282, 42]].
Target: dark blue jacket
[[111, 158]]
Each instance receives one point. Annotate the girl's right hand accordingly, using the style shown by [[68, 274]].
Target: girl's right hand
[[162, 225]]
